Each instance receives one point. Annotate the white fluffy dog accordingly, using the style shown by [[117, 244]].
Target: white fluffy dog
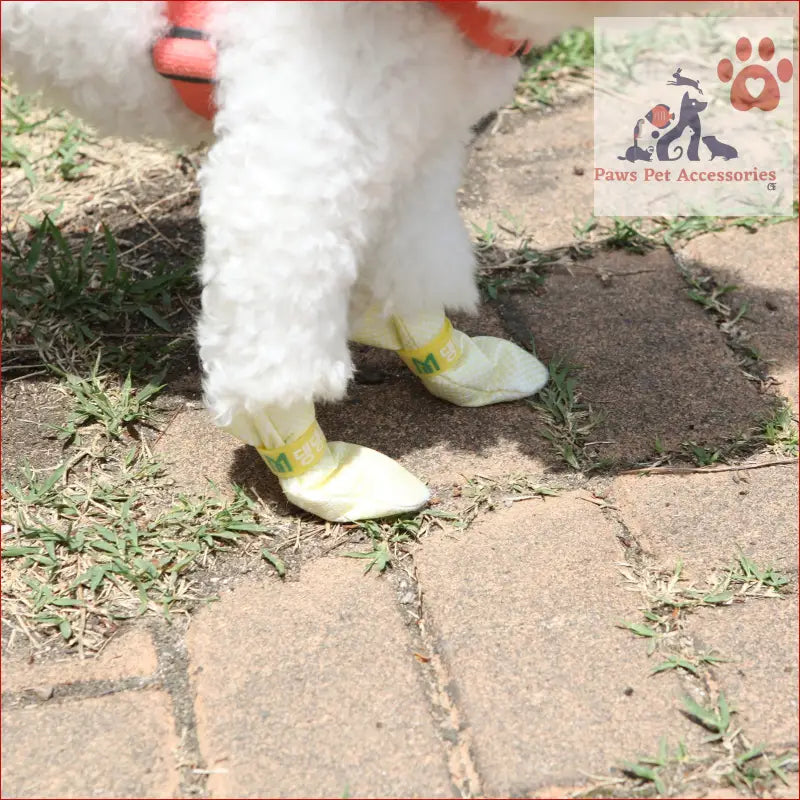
[[328, 202]]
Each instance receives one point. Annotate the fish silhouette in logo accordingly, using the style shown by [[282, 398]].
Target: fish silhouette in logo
[[659, 116]]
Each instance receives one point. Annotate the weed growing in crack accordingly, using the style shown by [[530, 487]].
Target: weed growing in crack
[[726, 758], [487, 494], [624, 235], [778, 430], [566, 420], [519, 266], [668, 598], [702, 456], [388, 539], [639, 235]]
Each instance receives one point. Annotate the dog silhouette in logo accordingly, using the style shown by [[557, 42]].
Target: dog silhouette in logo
[[718, 148], [689, 117], [681, 80]]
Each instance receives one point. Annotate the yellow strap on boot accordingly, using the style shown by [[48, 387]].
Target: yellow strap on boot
[[295, 458], [436, 356]]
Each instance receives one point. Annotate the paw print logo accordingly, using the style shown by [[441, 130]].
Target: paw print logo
[[755, 77]]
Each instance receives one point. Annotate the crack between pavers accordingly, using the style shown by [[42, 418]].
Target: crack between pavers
[[633, 550], [442, 693], [56, 694], [737, 344], [173, 670]]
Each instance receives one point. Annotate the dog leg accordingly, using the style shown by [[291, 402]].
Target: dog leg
[[337, 481], [299, 182], [424, 264], [464, 371]]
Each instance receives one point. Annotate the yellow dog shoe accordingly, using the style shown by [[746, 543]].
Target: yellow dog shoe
[[337, 481], [465, 371]]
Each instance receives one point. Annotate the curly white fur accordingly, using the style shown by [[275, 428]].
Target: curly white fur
[[339, 144]]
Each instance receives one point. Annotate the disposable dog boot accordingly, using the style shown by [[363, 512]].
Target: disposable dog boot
[[465, 371], [337, 481]]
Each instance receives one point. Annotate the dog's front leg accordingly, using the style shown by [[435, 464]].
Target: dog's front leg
[[289, 196]]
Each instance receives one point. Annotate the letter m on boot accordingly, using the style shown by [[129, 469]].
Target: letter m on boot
[[426, 367], [279, 465]]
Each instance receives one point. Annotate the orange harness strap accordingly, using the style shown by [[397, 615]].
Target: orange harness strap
[[479, 25], [187, 56]]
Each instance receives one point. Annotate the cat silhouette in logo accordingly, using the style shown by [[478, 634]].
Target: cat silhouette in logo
[[718, 148], [689, 117], [636, 153]]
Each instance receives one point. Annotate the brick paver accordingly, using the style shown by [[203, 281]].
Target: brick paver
[[651, 362], [121, 746], [760, 681], [310, 688], [767, 282], [536, 163], [129, 655], [704, 519], [524, 606]]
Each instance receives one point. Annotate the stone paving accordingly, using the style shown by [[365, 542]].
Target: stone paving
[[489, 661]]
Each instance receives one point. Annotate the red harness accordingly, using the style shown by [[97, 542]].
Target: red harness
[[188, 57]]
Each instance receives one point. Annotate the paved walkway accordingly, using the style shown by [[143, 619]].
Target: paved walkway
[[489, 661]]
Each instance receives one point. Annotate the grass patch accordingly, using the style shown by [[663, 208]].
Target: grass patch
[[41, 142], [675, 771], [566, 419], [88, 551], [547, 69], [60, 301], [102, 537], [96, 402], [668, 599]]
